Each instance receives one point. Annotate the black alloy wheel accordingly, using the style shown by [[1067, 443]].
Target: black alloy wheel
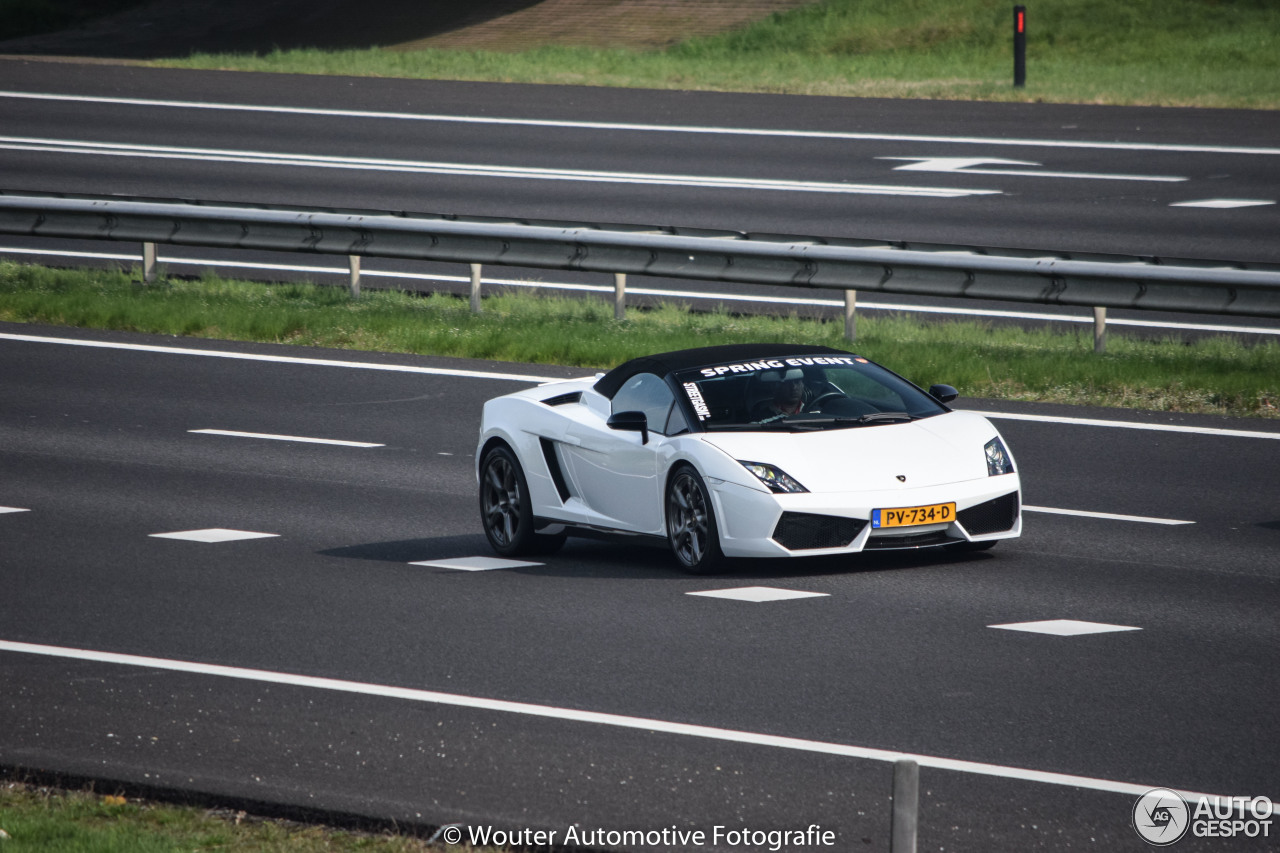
[[505, 510], [691, 523]]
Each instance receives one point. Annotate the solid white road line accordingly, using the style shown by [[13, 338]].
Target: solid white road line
[[649, 128], [515, 377], [660, 293], [1105, 515], [270, 437], [283, 359], [573, 715], [1096, 422], [273, 158]]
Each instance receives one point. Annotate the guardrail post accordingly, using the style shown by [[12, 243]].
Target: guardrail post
[[148, 263], [619, 296], [475, 288], [353, 265], [1099, 329], [850, 315], [906, 806]]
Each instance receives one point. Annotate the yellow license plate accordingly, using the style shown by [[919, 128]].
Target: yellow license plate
[[912, 515]]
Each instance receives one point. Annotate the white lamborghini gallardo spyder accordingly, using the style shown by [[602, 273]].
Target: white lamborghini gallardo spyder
[[767, 450]]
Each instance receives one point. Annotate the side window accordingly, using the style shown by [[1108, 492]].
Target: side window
[[676, 423], [646, 393]]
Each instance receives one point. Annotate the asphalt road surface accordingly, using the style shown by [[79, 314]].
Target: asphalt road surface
[[340, 660], [1056, 178]]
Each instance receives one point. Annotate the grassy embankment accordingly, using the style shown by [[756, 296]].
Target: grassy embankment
[[1218, 53], [1206, 52], [43, 820], [1213, 375]]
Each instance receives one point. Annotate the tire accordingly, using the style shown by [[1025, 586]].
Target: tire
[[691, 523], [506, 512]]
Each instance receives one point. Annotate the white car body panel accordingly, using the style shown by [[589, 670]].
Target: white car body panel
[[582, 473]]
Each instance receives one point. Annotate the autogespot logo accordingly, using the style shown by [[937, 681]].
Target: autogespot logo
[[1161, 817]]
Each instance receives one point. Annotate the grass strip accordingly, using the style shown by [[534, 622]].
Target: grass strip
[[48, 820], [1215, 375], [1207, 53]]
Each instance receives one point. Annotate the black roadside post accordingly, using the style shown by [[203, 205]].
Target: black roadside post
[[1019, 46]]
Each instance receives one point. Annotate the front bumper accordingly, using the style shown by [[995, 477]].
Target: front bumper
[[762, 524]]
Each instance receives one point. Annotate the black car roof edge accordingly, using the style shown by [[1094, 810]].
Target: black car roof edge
[[676, 360]]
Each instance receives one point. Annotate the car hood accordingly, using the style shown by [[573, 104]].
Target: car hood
[[930, 452]]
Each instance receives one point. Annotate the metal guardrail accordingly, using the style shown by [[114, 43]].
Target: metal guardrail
[[1090, 280]]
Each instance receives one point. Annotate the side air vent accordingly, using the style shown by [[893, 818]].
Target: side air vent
[[563, 399], [800, 531], [994, 516], [553, 466]]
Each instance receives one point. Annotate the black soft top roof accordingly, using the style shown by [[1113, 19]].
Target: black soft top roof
[[673, 362]]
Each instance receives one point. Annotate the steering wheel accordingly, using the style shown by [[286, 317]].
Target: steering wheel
[[813, 404]]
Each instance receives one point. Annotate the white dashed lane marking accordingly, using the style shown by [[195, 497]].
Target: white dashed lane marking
[[1064, 627], [213, 534], [475, 564], [1224, 203], [7, 509], [758, 594], [1108, 516], [297, 438]]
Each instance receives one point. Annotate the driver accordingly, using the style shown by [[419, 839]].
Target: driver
[[788, 396]]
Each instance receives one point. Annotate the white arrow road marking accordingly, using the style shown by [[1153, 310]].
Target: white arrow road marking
[[271, 158], [965, 166]]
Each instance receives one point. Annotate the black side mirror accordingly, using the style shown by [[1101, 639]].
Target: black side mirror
[[630, 422], [943, 393]]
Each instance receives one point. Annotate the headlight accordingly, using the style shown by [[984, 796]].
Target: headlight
[[998, 460], [775, 478]]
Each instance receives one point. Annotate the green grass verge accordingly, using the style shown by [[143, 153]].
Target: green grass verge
[[1219, 53], [1211, 375], [45, 820]]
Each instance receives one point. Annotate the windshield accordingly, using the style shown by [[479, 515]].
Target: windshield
[[802, 393]]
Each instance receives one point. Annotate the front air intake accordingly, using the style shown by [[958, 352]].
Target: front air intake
[[799, 531], [994, 516]]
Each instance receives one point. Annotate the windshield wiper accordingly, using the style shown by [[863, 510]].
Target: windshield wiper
[[861, 420], [809, 421], [872, 417]]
